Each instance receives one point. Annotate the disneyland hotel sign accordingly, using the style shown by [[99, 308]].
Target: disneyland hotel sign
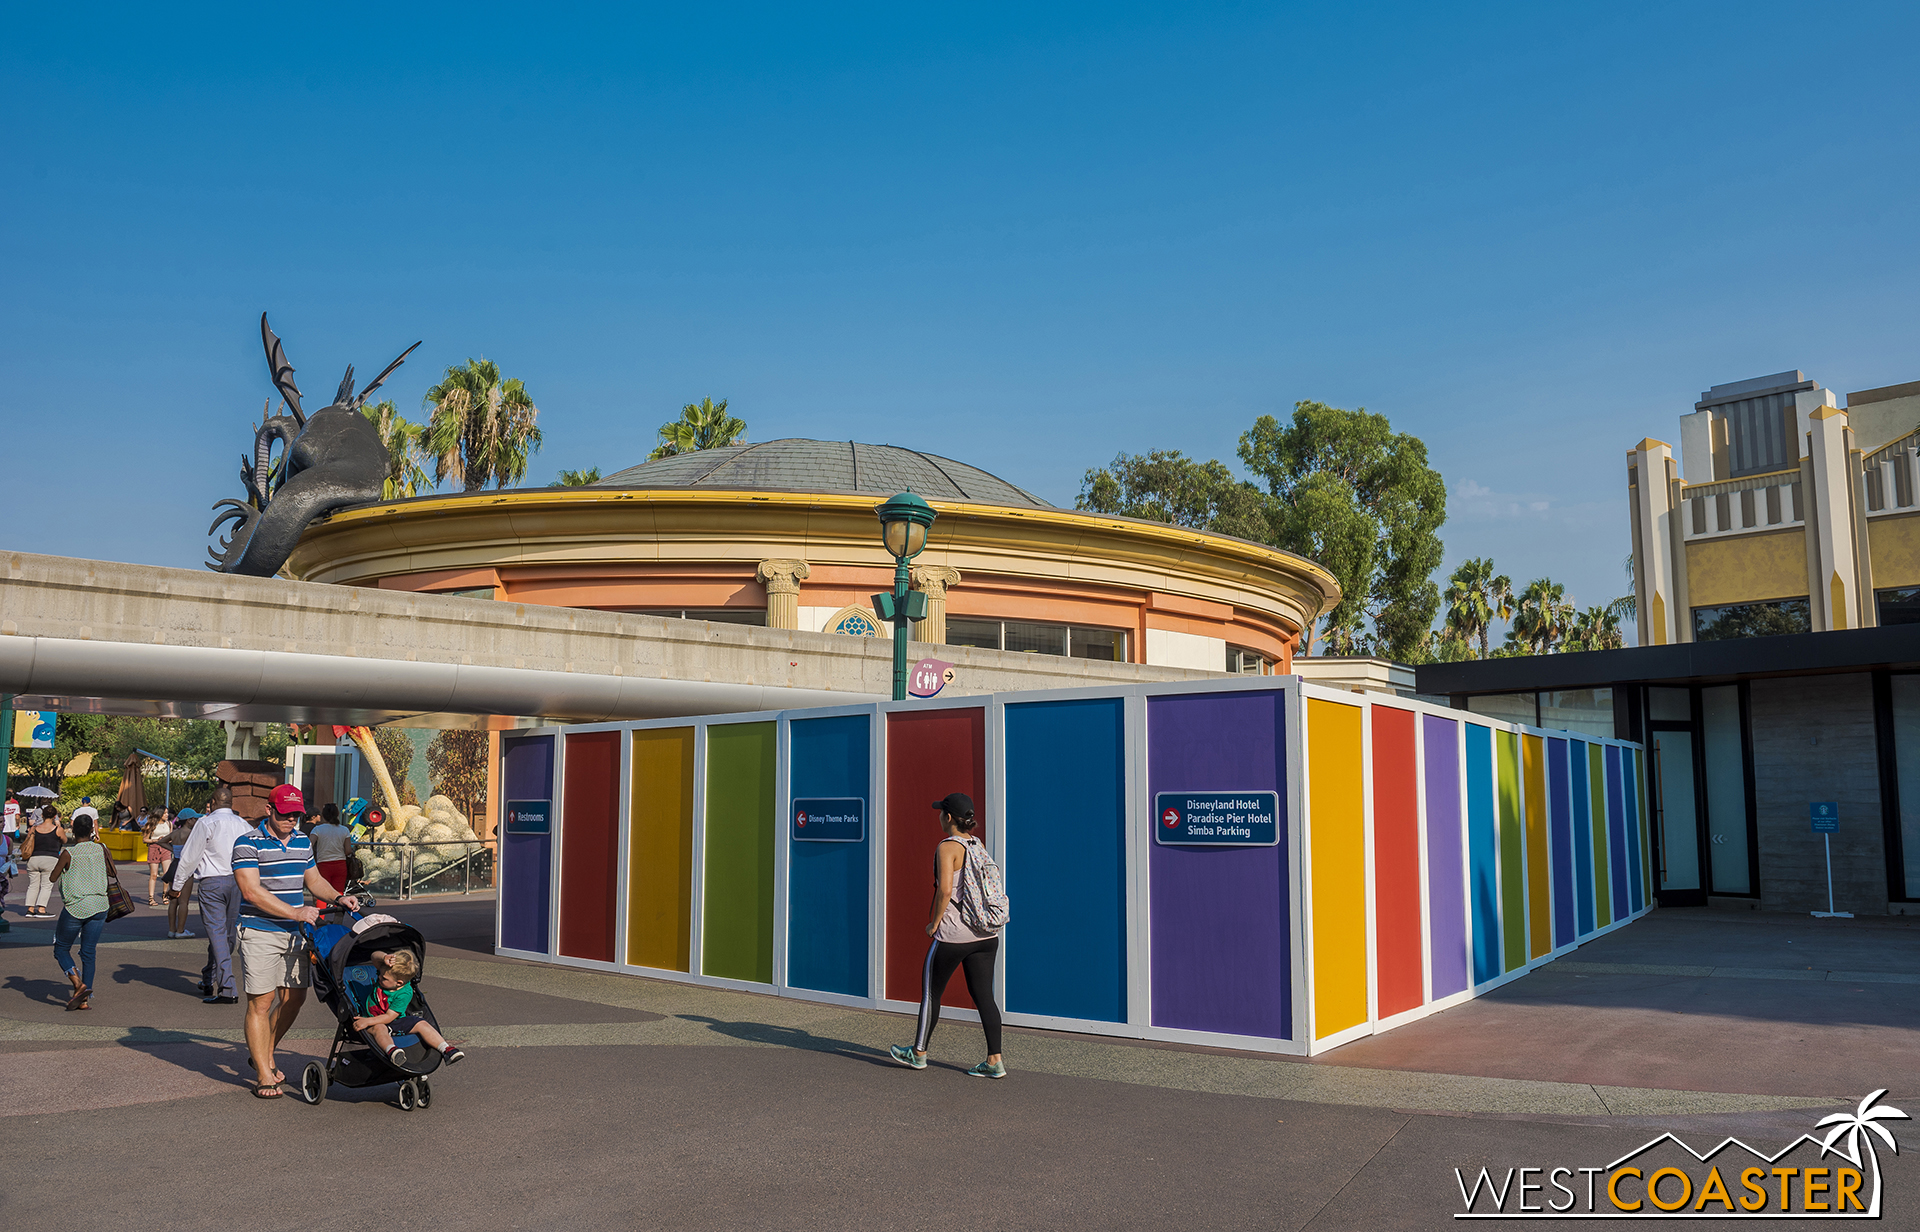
[[1833, 1176]]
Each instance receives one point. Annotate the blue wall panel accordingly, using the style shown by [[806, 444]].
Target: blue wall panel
[[1560, 824], [1483, 854], [526, 860], [1582, 838], [827, 924], [1065, 859], [1617, 835]]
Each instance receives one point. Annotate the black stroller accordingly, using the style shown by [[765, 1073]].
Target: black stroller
[[341, 947]]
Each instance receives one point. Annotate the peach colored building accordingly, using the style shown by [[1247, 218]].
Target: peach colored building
[[783, 534]]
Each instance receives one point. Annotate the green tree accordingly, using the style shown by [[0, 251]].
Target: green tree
[[1167, 486], [457, 764], [483, 429], [702, 425], [1595, 628], [405, 443], [1359, 498], [577, 479], [1542, 617], [1475, 598]]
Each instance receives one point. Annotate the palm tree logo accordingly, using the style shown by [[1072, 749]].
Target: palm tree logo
[[1855, 1126]]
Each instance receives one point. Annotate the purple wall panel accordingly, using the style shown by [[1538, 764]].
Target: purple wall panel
[[1446, 879], [1221, 949], [526, 860]]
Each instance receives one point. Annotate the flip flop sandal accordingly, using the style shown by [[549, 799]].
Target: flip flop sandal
[[79, 997], [266, 1090]]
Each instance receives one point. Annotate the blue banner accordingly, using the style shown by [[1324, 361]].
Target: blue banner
[[1217, 818], [829, 819], [529, 816]]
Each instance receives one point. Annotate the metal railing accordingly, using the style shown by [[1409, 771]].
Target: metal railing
[[403, 870]]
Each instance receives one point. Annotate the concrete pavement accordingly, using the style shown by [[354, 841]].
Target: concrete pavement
[[603, 1100]]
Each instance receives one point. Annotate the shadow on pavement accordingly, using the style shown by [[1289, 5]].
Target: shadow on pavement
[[167, 979], [46, 992], [791, 1037]]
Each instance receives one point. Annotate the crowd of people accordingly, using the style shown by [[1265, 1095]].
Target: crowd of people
[[252, 880]]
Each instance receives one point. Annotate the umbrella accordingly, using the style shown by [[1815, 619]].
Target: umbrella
[[133, 788], [36, 791]]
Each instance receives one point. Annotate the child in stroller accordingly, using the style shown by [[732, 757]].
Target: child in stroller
[[386, 1008]]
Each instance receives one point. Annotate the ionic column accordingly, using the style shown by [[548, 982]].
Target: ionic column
[[932, 581], [782, 578]]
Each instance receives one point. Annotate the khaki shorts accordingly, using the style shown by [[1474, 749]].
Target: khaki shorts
[[271, 959]]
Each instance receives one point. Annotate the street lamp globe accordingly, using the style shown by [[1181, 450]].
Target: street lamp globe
[[903, 525]]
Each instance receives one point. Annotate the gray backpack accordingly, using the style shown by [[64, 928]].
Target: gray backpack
[[979, 892]]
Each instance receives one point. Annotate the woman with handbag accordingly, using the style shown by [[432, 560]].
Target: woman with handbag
[[159, 854], [83, 875]]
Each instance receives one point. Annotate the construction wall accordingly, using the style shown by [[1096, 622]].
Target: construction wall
[[1416, 856]]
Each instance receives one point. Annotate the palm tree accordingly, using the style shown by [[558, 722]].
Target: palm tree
[[1475, 598], [1542, 616], [1596, 628], [702, 425], [402, 439], [483, 427], [577, 479], [1855, 1125]]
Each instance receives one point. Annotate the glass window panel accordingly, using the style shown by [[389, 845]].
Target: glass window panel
[[730, 615], [1726, 790], [1672, 705], [1036, 639], [485, 592], [1513, 707], [1900, 605], [1587, 711], [984, 634], [1109, 645], [1679, 828], [1906, 762], [1716, 624]]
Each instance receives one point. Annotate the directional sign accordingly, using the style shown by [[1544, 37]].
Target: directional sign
[[829, 819], [529, 816], [1826, 817], [1217, 818]]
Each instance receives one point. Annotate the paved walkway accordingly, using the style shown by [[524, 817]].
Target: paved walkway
[[614, 1100]]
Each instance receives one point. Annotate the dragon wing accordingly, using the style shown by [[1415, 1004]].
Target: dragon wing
[[381, 379], [281, 370]]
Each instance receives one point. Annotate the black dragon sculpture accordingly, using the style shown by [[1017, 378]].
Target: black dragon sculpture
[[331, 459]]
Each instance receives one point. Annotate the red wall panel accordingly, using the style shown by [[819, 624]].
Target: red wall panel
[[929, 754], [1396, 856], [589, 845]]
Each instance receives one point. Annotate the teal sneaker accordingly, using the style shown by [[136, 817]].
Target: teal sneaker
[[988, 1069], [907, 1057]]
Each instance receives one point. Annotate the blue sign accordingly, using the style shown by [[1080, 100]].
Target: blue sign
[[829, 819], [1217, 818], [529, 816], [1826, 817]]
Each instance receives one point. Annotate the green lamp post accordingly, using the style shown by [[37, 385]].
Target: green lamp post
[[903, 529]]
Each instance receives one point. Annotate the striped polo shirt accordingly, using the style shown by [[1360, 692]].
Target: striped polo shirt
[[282, 865]]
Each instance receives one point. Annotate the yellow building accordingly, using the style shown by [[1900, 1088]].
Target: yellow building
[[1793, 514], [783, 534]]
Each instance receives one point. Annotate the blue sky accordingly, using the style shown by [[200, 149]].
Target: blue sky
[[1028, 237]]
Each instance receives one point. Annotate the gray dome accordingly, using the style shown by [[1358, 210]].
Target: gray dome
[[799, 465]]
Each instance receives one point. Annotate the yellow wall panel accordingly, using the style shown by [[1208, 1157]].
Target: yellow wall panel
[[1539, 908], [660, 876], [1895, 545], [1337, 819]]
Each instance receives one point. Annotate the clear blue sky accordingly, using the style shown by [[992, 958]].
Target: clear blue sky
[[1025, 236]]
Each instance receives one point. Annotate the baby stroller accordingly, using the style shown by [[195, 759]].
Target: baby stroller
[[341, 947]]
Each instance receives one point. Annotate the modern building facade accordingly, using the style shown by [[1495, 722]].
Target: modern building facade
[[1744, 736], [783, 535], [1785, 512]]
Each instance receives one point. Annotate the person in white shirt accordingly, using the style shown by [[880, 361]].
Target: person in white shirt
[[208, 857]]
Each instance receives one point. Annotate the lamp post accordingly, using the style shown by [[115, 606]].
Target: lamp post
[[903, 529]]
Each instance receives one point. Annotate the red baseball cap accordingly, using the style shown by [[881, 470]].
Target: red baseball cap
[[286, 798]]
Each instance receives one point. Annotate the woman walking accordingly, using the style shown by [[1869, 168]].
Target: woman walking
[[965, 922], [183, 823], [82, 874], [154, 834], [46, 842]]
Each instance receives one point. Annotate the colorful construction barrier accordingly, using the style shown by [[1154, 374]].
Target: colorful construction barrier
[[1251, 863]]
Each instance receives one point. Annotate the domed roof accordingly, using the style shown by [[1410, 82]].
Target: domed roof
[[799, 465]]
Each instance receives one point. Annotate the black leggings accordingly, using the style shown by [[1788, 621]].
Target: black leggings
[[978, 958]]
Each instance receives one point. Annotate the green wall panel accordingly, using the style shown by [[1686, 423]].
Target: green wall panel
[[1513, 869], [737, 922]]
